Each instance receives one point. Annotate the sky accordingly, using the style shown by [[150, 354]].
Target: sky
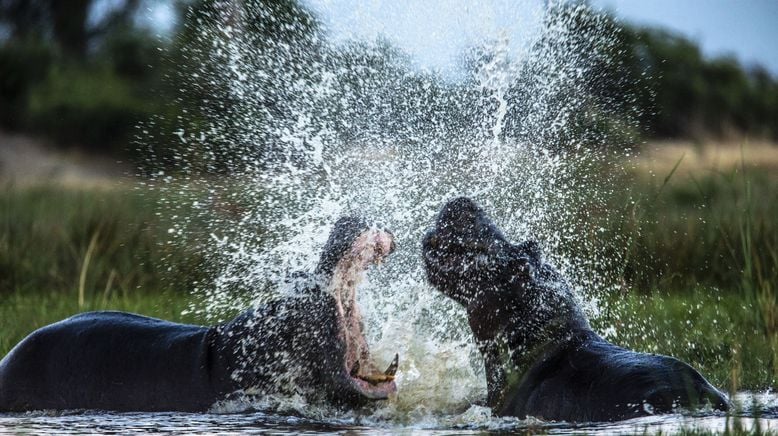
[[435, 31]]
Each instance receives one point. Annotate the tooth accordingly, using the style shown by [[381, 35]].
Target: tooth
[[355, 369], [375, 379], [392, 370]]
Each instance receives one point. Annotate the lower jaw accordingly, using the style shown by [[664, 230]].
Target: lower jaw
[[378, 391]]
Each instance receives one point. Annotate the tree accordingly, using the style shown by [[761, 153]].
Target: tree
[[63, 22]]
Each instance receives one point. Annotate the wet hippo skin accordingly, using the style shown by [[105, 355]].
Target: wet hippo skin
[[310, 342], [542, 358]]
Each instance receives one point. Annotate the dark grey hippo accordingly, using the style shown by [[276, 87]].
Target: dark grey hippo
[[541, 356], [311, 343]]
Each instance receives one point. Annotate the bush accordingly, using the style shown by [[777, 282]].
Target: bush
[[22, 66], [681, 93], [94, 108]]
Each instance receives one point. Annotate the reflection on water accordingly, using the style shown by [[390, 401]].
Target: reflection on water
[[476, 420]]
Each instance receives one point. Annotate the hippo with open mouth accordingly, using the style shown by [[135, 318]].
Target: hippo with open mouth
[[542, 358], [310, 343]]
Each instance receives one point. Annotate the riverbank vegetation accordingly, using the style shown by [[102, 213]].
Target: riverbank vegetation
[[700, 263]]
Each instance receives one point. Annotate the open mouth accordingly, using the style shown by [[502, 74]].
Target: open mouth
[[370, 248]]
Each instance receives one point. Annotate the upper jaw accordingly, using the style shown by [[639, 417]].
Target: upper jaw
[[453, 259], [482, 239], [458, 208], [372, 247]]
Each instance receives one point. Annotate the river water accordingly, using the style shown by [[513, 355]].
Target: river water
[[475, 420]]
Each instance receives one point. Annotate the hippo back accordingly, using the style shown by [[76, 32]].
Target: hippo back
[[114, 361], [594, 380]]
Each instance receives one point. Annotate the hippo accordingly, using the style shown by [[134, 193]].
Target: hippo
[[310, 342], [541, 357]]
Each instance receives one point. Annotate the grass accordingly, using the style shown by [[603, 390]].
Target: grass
[[21, 313], [714, 331], [701, 264], [717, 229], [74, 242], [65, 251], [708, 234]]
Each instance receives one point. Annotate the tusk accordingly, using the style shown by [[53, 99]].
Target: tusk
[[392, 370], [377, 378]]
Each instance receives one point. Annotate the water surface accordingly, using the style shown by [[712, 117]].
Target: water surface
[[759, 410]]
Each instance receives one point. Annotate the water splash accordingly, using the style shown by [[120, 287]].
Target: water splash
[[301, 129]]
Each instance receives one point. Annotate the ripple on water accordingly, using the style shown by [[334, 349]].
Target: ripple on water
[[474, 420]]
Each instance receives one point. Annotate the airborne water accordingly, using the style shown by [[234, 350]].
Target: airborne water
[[336, 114], [318, 125], [314, 123]]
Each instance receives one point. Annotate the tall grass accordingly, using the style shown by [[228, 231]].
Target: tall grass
[[79, 242], [760, 272], [716, 229], [65, 251], [701, 262], [701, 268]]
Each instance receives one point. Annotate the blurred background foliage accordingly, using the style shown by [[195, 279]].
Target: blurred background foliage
[[81, 79]]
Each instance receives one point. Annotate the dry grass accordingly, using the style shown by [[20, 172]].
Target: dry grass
[[659, 158], [26, 161]]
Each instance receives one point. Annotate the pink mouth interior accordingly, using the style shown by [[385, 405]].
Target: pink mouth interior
[[369, 248]]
